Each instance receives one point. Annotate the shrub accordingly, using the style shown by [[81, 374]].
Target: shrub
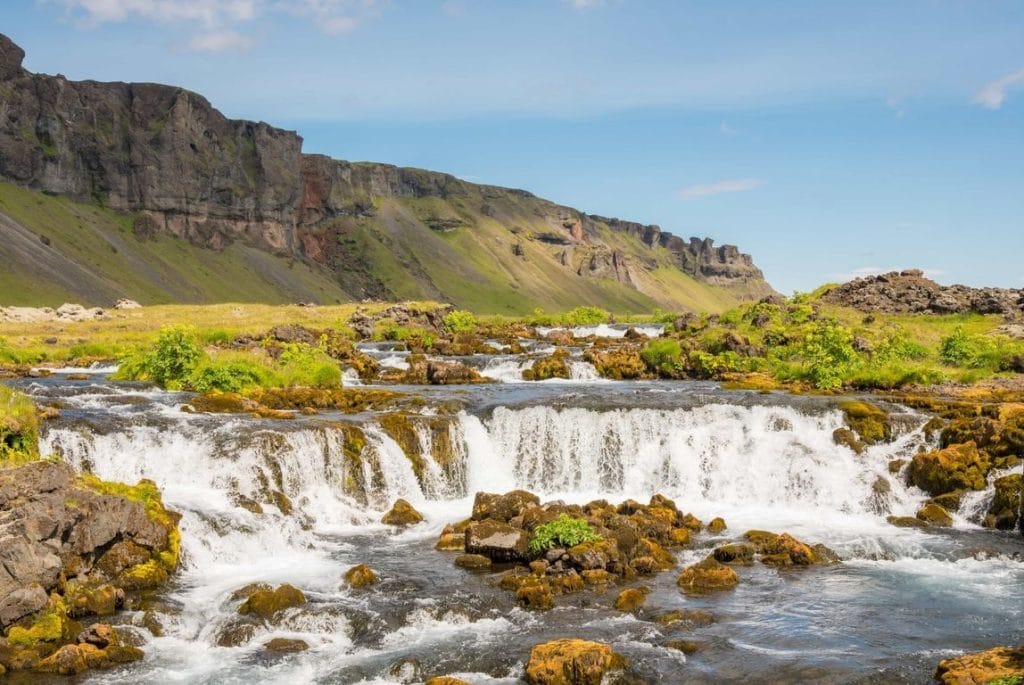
[[896, 345], [303, 364], [227, 376], [963, 349], [564, 531], [19, 430], [170, 361], [586, 316], [663, 356], [828, 352], [460, 321], [707, 365]]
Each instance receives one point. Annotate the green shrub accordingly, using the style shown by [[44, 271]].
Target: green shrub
[[168, 363], [460, 321], [963, 349], [19, 429], [731, 318], [828, 353], [303, 364], [586, 316], [1015, 679], [896, 345], [707, 365], [564, 531], [663, 356], [232, 376]]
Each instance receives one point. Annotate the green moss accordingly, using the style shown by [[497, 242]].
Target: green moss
[[564, 531], [870, 421], [144, 576], [47, 627]]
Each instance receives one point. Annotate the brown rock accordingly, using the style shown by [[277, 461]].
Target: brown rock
[[707, 576], [266, 603], [571, 662], [472, 561], [957, 467], [497, 541], [360, 576], [402, 514], [982, 668], [631, 599], [716, 525], [503, 507], [285, 646], [934, 515]]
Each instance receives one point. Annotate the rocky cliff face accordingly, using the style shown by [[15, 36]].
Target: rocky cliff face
[[167, 156]]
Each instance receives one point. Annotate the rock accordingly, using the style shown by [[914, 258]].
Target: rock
[[497, 541], [717, 525], [99, 635], [685, 618], [283, 645], [631, 599], [934, 515], [735, 553], [571, 662], [452, 373], [11, 57], [982, 668], [450, 541], [846, 437], [402, 514], [264, 603], [707, 576], [870, 422], [503, 507], [684, 646], [22, 602], [236, 634], [554, 366], [102, 600], [360, 576], [957, 467], [1005, 510], [906, 522], [472, 561], [446, 680], [125, 303], [536, 595]]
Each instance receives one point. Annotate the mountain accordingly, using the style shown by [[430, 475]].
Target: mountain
[[146, 191]]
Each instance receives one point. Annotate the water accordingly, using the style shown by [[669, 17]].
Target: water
[[902, 600]]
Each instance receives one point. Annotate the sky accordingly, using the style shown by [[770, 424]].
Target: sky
[[827, 139]]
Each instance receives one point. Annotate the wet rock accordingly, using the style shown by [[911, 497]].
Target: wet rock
[[571, 662], [684, 646], [402, 514], [1005, 510], [99, 635], [869, 421], [360, 576], [22, 602], [554, 366], [102, 600], [906, 522], [631, 599], [707, 576], [283, 645], [846, 437], [717, 525], [983, 668], [957, 467], [735, 553], [535, 594], [446, 680], [236, 634], [451, 541], [685, 618], [472, 561], [503, 507], [263, 603], [497, 541], [934, 515], [452, 373]]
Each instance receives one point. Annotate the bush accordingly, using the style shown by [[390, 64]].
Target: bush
[[586, 316], [460, 321], [227, 376], [828, 352], [169, 363], [303, 364], [663, 356], [963, 349], [896, 345], [564, 531]]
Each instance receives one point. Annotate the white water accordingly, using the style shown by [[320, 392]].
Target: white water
[[510, 370], [606, 331], [759, 467]]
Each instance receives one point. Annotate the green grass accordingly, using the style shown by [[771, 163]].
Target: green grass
[[564, 531], [19, 428]]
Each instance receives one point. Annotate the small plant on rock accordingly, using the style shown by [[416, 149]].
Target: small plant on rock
[[564, 531]]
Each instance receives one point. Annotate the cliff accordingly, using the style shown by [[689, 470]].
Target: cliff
[[165, 162]]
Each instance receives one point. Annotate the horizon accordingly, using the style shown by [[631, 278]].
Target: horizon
[[863, 147]]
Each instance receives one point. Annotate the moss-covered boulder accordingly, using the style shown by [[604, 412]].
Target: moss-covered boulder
[[402, 514], [623, 363], [265, 603], [869, 421], [572, 662], [957, 467], [360, 576], [935, 515], [1005, 510], [503, 507], [446, 680], [717, 525], [735, 553], [631, 599], [497, 541], [847, 438], [708, 575], [1001, 665], [554, 366]]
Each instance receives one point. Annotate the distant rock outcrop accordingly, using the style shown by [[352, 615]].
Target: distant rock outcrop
[[183, 169], [909, 292]]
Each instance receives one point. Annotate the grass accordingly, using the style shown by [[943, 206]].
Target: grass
[[19, 428]]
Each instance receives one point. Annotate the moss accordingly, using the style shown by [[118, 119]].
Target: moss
[[145, 492], [869, 421], [145, 576], [554, 366], [48, 627]]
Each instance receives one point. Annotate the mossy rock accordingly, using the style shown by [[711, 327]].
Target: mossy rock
[[707, 576], [906, 522], [402, 514], [847, 438], [554, 366], [282, 645], [360, 576], [717, 525], [572, 662], [957, 467], [1004, 512], [735, 553], [446, 680], [266, 603], [870, 421], [631, 600], [934, 515], [472, 561]]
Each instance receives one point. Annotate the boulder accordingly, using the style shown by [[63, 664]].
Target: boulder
[[497, 541], [717, 525], [446, 680], [360, 576], [1005, 510], [631, 599], [503, 507], [869, 421], [472, 561], [283, 645], [571, 662], [735, 553], [957, 467], [402, 514], [707, 576], [983, 668], [934, 515], [265, 603]]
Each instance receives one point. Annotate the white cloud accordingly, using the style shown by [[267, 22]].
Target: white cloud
[[585, 4], [733, 185], [220, 41], [992, 95], [336, 17], [208, 13]]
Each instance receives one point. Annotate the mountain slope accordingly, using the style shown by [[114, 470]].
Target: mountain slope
[[162, 198]]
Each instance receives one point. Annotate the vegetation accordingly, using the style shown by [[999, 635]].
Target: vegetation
[[19, 431], [564, 531], [460, 321]]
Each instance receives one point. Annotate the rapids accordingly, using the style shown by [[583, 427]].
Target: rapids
[[902, 599]]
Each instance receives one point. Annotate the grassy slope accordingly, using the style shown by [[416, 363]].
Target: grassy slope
[[94, 258]]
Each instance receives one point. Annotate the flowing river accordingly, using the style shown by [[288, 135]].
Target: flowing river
[[901, 600]]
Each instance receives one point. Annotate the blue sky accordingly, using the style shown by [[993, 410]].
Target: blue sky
[[826, 138]]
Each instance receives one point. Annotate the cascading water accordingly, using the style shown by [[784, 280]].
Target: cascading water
[[770, 465]]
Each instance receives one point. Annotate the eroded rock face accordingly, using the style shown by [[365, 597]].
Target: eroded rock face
[[71, 547], [909, 292]]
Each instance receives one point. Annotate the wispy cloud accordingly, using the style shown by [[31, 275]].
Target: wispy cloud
[[585, 4], [732, 185], [896, 106], [726, 130], [208, 13], [220, 41], [993, 94], [864, 271]]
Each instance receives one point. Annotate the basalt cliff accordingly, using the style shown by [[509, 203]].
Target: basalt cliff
[[141, 190]]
